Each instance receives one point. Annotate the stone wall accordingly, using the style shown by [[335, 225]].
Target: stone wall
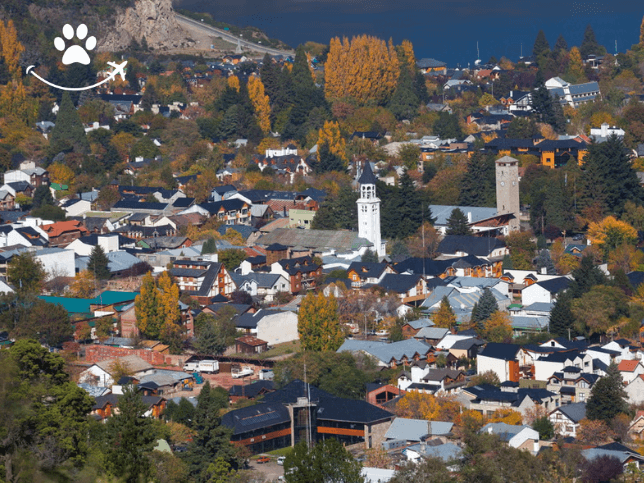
[[97, 353]]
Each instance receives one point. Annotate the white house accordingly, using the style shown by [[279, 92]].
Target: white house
[[77, 207], [110, 242], [500, 359], [630, 370], [273, 326], [635, 391], [520, 437], [623, 347], [57, 262], [544, 367], [566, 418], [544, 291], [100, 373], [266, 285], [606, 130]]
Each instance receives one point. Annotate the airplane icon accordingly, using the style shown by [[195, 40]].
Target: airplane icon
[[119, 69]]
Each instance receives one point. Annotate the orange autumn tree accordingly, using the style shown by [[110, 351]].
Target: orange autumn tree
[[331, 135], [233, 81], [12, 49], [611, 233], [407, 49], [507, 416], [365, 69], [416, 405], [498, 328], [260, 103]]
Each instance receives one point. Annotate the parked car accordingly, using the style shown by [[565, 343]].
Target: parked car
[[280, 460], [263, 459]]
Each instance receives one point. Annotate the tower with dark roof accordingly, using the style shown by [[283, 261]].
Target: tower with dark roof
[[369, 210]]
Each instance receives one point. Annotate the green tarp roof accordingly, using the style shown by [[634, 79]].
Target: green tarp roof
[[82, 306]]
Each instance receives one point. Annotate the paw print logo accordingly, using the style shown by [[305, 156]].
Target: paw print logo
[[75, 53]]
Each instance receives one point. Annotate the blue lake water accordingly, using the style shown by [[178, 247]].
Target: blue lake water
[[445, 30]]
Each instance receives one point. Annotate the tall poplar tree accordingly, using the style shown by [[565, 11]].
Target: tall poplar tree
[[318, 323]]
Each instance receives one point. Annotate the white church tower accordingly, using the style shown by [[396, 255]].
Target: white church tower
[[369, 210]]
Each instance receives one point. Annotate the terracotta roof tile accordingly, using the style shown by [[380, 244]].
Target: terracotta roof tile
[[628, 366]]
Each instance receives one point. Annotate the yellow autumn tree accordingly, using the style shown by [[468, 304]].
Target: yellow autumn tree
[[498, 328], [261, 103], [418, 405], [169, 299], [15, 103], [407, 49], [597, 119], [331, 135], [611, 233], [575, 65], [318, 323], [507, 416], [365, 69], [233, 81], [642, 32], [444, 317], [61, 174], [146, 308], [83, 285], [12, 49]]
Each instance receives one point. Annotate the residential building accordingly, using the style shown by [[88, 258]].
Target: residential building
[[519, 437], [500, 359], [62, 233], [272, 326], [202, 279], [566, 418], [301, 272]]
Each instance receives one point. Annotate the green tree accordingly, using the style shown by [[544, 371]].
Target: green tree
[[447, 126], [212, 440], [522, 128], [544, 427], [42, 196], [130, 438], [26, 273], [182, 413], [68, 130], [232, 258], [544, 261], [541, 45], [44, 322], [215, 333], [485, 307], [428, 470], [522, 249], [585, 277], [542, 101], [98, 263], [457, 223], [608, 178], [607, 397], [589, 45], [318, 323], [339, 212], [209, 246], [327, 461], [560, 45], [369, 256], [404, 102], [409, 208], [329, 161], [561, 316], [409, 155], [478, 187], [49, 212]]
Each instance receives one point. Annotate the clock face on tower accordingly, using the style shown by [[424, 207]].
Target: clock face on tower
[[502, 183]]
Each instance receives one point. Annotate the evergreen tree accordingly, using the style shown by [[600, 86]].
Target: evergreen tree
[[541, 100], [327, 461], [420, 88], [209, 246], [558, 119], [457, 223], [521, 128], [329, 161], [339, 213], [447, 126], [98, 263], [544, 261], [485, 307], [409, 211], [585, 277], [369, 256], [130, 438], [42, 197], [608, 177], [212, 440], [589, 45], [541, 45], [558, 205], [607, 396], [68, 130], [544, 427], [404, 102], [478, 187], [560, 46]]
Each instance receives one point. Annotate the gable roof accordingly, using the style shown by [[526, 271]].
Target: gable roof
[[473, 245], [400, 283], [495, 350], [574, 411], [386, 352], [628, 366], [367, 270], [554, 285]]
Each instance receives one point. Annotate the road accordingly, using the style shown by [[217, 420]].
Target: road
[[230, 37]]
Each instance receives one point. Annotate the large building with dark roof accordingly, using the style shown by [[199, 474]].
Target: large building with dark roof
[[298, 412]]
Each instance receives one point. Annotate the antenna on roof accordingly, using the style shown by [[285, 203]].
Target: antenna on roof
[[615, 46], [478, 54]]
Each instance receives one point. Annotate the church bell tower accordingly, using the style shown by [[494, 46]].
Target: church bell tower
[[369, 210]]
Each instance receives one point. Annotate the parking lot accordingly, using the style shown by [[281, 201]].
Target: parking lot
[[270, 471]]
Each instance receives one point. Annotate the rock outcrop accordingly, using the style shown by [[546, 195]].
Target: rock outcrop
[[153, 20]]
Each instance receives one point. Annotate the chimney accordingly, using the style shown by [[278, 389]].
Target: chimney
[[469, 217]]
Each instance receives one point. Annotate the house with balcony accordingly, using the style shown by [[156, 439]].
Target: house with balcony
[[572, 384], [62, 233], [566, 418], [229, 212], [202, 279], [301, 272]]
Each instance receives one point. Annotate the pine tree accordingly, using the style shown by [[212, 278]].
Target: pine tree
[[558, 119], [589, 45], [369, 256], [486, 306], [447, 126], [585, 277], [544, 261], [608, 177], [478, 187], [457, 223], [130, 438], [607, 396], [328, 160], [404, 102], [560, 46], [69, 130], [42, 197], [561, 316], [409, 211], [444, 317], [541, 45], [98, 263], [318, 323]]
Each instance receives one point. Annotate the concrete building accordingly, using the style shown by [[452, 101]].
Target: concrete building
[[369, 210], [57, 262], [507, 189]]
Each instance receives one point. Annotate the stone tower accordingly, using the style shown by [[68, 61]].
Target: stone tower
[[507, 189], [369, 210]]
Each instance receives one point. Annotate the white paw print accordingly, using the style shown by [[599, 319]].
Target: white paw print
[[75, 53]]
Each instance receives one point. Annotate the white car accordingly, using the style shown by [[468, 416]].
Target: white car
[[280, 460]]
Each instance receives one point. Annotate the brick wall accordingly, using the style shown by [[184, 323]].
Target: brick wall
[[96, 353]]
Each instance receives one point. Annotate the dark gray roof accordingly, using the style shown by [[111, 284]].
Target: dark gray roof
[[507, 352], [129, 204], [398, 283], [575, 411], [367, 176], [473, 245], [227, 205], [555, 285], [255, 417], [367, 270], [252, 390]]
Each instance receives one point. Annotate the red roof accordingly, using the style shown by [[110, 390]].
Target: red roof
[[60, 227], [628, 366]]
